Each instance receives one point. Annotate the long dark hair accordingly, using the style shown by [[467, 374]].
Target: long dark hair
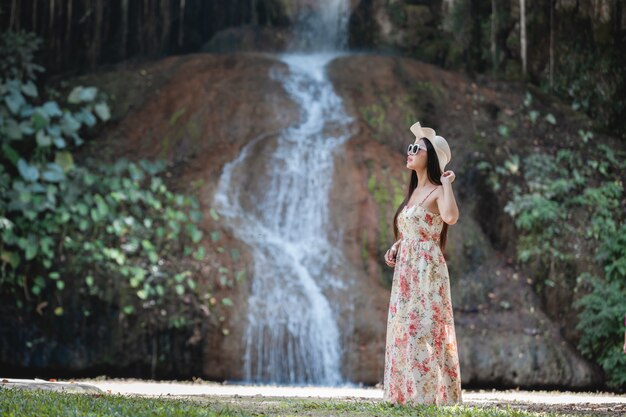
[[434, 175]]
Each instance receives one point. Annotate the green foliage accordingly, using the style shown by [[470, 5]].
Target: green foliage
[[603, 309], [110, 232], [567, 204], [17, 50]]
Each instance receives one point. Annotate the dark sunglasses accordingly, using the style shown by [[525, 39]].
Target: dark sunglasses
[[415, 148]]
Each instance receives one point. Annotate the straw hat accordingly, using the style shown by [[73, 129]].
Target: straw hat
[[439, 143]]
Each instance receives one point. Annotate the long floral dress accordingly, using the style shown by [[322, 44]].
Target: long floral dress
[[421, 359]]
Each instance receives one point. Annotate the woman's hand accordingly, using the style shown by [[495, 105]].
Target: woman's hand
[[390, 255], [447, 177]]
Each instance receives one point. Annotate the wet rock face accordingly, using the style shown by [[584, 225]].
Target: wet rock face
[[202, 109], [504, 336]]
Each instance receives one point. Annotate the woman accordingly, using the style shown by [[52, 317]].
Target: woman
[[421, 359]]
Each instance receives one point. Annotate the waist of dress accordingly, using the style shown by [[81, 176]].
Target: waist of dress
[[420, 239]]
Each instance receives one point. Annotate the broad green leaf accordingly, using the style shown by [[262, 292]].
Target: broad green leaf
[[43, 140], [59, 142], [240, 275], [13, 130], [85, 116], [27, 128], [69, 124], [14, 102], [51, 108], [200, 253], [103, 112], [550, 118], [88, 94], [28, 172], [31, 250], [11, 258], [196, 235], [39, 119], [74, 96], [53, 173], [30, 89], [82, 94], [10, 153], [65, 160]]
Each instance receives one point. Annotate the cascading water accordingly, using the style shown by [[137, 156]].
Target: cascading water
[[292, 332]]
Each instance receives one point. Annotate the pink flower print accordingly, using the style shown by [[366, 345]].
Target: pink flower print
[[401, 342], [400, 397], [429, 219], [443, 394], [422, 366], [414, 317], [409, 388], [451, 372], [438, 327], [404, 287], [393, 309]]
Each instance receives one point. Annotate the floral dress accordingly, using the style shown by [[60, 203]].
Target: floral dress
[[421, 359]]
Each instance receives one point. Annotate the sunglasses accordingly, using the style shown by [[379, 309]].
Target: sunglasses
[[415, 148]]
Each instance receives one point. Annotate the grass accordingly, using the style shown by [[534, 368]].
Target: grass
[[27, 403]]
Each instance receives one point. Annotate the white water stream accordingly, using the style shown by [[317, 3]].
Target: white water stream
[[292, 333]]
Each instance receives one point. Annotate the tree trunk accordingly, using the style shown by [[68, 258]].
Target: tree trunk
[[52, 36], [166, 26], [13, 14], [522, 14], [181, 22], [254, 18], [494, 31], [551, 44], [97, 34], [34, 24], [68, 29], [124, 29], [51, 21]]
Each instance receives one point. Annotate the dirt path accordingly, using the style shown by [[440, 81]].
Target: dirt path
[[255, 398]]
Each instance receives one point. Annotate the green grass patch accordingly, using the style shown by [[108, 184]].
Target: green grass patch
[[27, 403]]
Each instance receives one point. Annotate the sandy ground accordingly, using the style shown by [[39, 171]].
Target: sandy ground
[[569, 403]]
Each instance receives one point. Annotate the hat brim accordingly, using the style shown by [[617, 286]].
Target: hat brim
[[422, 132]]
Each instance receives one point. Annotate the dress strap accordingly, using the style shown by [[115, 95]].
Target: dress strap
[[431, 191]]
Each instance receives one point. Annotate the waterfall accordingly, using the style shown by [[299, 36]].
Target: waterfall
[[292, 332], [320, 25]]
